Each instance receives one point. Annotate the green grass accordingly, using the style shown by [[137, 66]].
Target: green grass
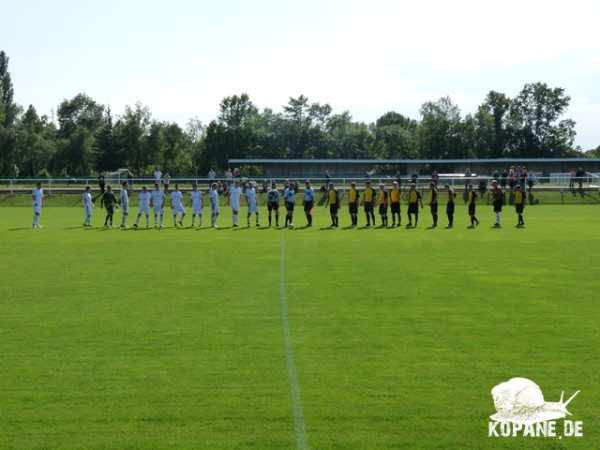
[[174, 338]]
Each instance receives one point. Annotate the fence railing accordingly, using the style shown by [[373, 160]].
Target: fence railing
[[555, 180]]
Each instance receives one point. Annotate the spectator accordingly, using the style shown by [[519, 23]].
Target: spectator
[[531, 180], [101, 183], [572, 177], [157, 176], [130, 181]]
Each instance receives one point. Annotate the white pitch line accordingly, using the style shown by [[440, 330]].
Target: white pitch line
[[301, 438]]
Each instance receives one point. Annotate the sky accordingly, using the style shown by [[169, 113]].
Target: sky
[[180, 58]]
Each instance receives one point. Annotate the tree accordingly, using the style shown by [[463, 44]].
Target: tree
[[79, 120], [233, 135], [109, 155], [36, 143], [8, 114], [305, 128], [491, 122], [177, 156], [440, 130], [534, 123], [131, 131], [395, 137]]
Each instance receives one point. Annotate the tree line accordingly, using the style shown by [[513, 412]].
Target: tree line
[[85, 137]]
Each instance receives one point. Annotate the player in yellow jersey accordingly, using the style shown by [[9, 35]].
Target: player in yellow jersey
[[368, 199], [382, 202], [414, 198], [333, 200], [353, 198], [395, 203], [519, 205]]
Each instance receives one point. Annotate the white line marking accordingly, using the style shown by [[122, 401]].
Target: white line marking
[[301, 438]]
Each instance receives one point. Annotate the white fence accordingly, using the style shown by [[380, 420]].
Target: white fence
[[20, 185]]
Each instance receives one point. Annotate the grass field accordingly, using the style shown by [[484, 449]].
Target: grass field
[[279, 339]]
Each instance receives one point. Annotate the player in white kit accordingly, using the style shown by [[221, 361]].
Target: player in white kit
[[87, 206], [197, 203], [214, 205], [37, 196], [177, 205], [157, 201], [252, 202], [235, 193], [144, 198], [124, 200]]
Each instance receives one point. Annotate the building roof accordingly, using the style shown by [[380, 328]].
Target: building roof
[[510, 161]]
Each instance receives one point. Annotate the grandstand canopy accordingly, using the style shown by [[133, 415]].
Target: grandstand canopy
[[358, 167]]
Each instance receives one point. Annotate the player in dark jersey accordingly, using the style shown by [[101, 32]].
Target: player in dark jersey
[[471, 204], [497, 202], [273, 203], [450, 205], [309, 202], [382, 202], [433, 204], [109, 202]]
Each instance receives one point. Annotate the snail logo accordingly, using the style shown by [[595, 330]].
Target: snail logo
[[521, 401], [521, 408]]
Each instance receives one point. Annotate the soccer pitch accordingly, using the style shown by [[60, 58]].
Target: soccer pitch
[[263, 338]]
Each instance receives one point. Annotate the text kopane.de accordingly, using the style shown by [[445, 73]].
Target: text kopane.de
[[549, 428]]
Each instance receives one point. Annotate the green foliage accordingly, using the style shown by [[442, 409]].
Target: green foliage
[[88, 140]]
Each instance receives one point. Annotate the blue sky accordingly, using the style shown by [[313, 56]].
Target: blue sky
[[181, 57]]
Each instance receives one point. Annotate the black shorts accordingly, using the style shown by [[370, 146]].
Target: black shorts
[[383, 209], [450, 208], [308, 206], [434, 208], [333, 209], [395, 207], [413, 208], [519, 208], [368, 207], [273, 206], [497, 206], [353, 208], [289, 206], [472, 209]]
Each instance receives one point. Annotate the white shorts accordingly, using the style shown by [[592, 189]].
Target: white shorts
[[87, 211], [159, 210], [144, 210], [125, 208], [178, 209], [197, 210], [253, 208], [235, 206], [214, 209], [37, 209]]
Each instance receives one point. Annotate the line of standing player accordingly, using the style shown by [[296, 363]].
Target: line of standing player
[[371, 199]]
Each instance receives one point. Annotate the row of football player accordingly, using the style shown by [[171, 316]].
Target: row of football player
[[371, 199]]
